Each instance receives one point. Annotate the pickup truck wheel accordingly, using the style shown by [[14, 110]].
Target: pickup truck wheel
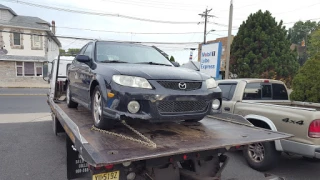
[[70, 103], [97, 105], [261, 156]]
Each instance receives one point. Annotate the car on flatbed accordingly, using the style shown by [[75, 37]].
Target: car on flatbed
[[126, 81], [266, 104], [170, 150]]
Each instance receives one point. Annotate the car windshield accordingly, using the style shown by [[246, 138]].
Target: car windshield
[[130, 53]]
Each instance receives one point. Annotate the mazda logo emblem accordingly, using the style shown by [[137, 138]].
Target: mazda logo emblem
[[182, 85]]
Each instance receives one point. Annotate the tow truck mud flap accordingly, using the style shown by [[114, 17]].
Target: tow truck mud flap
[[76, 167]]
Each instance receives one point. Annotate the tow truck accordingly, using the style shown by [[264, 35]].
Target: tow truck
[[149, 151]]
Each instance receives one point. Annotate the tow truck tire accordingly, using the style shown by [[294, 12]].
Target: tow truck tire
[[70, 103], [102, 122], [269, 160]]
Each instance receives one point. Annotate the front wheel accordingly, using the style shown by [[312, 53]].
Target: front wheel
[[97, 104], [261, 156]]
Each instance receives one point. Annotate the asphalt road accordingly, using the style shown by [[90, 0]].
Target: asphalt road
[[30, 150]]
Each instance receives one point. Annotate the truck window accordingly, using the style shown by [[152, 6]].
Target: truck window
[[227, 91], [252, 91], [279, 92], [266, 91]]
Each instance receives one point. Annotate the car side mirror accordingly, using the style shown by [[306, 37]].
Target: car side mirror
[[176, 64], [83, 58]]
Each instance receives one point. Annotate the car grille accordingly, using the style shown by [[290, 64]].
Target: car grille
[[182, 106], [175, 85]]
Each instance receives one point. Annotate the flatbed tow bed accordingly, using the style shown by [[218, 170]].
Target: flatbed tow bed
[[178, 145]]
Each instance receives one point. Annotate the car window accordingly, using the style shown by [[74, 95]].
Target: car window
[[252, 91], [88, 50], [130, 53], [82, 50], [279, 92], [227, 91]]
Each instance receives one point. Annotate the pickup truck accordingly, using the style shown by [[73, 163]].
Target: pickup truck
[[266, 104]]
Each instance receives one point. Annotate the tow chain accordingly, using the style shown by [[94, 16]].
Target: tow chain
[[147, 141]]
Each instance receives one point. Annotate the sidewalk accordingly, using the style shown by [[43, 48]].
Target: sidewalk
[[24, 85]]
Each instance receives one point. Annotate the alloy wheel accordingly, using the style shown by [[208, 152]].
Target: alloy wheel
[[97, 107], [256, 152]]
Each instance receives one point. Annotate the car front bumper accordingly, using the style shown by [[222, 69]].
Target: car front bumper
[[159, 105]]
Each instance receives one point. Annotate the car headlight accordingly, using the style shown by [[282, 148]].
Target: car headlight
[[211, 83], [131, 81]]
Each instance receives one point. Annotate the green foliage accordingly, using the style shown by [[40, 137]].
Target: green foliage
[[314, 46], [261, 50], [62, 51], [172, 59], [306, 84], [300, 30], [73, 51]]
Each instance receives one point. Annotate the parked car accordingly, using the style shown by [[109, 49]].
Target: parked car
[[126, 81], [266, 104]]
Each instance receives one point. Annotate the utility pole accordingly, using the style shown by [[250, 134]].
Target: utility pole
[[205, 14], [226, 75]]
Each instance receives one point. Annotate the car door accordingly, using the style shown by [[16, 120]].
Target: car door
[[84, 72], [73, 77], [227, 90]]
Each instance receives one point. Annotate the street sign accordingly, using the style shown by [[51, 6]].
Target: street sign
[[210, 59]]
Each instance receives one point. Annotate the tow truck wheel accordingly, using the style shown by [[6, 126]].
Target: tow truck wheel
[[97, 104], [70, 103], [261, 156]]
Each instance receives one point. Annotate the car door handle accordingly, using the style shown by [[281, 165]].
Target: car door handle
[[227, 109]]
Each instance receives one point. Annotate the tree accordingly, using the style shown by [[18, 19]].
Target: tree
[[261, 50], [301, 31], [73, 51], [62, 51], [172, 59], [306, 84], [314, 45]]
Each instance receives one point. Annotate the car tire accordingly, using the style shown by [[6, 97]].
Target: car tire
[[309, 159], [97, 104], [193, 120], [70, 102], [268, 161]]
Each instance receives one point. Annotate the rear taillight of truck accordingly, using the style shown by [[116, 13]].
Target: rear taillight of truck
[[314, 129]]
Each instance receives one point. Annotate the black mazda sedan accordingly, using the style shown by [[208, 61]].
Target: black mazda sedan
[[131, 82]]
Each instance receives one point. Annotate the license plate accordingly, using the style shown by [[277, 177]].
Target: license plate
[[107, 176]]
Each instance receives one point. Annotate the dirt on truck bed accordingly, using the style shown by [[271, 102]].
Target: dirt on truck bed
[[170, 138]]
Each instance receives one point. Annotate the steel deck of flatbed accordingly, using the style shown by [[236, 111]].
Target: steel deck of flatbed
[[171, 138]]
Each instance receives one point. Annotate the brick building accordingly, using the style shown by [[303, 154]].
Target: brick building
[[22, 53], [224, 41]]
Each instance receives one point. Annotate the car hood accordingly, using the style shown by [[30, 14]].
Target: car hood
[[156, 72]]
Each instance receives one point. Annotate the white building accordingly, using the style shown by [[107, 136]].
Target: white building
[[21, 52]]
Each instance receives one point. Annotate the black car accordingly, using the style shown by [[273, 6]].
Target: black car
[[127, 81]]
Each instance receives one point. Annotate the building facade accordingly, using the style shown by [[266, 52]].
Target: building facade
[[224, 41], [25, 44]]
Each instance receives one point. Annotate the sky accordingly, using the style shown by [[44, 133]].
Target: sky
[[68, 23]]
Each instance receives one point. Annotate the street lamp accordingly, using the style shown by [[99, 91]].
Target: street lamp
[[212, 30]]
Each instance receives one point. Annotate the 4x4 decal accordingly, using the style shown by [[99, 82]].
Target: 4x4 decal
[[287, 120]]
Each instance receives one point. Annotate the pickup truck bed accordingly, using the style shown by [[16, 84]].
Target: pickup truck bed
[[171, 138]]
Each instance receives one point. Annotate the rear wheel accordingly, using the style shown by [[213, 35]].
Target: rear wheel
[[261, 156], [70, 103], [97, 111]]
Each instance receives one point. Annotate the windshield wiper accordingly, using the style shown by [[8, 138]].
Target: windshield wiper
[[113, 61], [153, 63]]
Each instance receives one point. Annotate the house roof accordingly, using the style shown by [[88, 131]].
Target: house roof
[[7, 8], [28, 22], [22, 58]]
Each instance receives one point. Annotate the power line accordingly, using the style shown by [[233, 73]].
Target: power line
[[205, 15], [86, 38], [99, 13]]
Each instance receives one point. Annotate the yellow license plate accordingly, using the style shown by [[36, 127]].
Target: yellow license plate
[[107, 176]]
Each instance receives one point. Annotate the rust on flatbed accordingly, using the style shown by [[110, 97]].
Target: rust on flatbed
[[171, 138]]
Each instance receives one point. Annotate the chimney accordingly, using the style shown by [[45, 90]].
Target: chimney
[[54, 27]]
